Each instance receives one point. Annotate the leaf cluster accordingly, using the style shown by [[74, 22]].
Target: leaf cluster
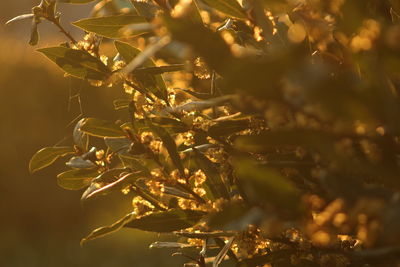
[[259, 132]]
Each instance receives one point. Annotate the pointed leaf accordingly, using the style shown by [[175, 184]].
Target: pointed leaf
[[20, 17], [77, 63], [229, 7], [76, 179], [103, 231], [46, 156], [167, 221], [94, 190], [159, 70], [263, 184], [154, 84], [80, 138], [76, 1], [214, 183], [101, 128], [110, 26], [170, 144]]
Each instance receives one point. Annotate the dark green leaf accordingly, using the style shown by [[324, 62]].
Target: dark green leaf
[[101, 128], [229, 7], [169, 143], [154, 84], [159, 70], [111, 26], [262, 184], [167, 221], [174, 245], [76, 179], [80, 138], [102, 231], [77, 63], [94, 190], [118, 145], [214, 184], [225, 128], [46, 156], [76, 1]]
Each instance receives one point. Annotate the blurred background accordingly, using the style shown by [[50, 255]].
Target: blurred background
[[42, 224]]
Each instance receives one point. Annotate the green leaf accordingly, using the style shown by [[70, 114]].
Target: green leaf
[[103, 231], [97, 190], [77, 63], [159, 70], [214, 184], [110, 26], [154, 84], [20, 17], [167, 221], [118, 145], [225, 128], [47, 156], [80, 138], [266, 185], [229, 7], [76, 179], [169, 143], [76, 1], [121, 104], [101, 128]]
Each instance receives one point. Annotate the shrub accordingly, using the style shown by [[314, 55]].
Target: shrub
[[259, 132]]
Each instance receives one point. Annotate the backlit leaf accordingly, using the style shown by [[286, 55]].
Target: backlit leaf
[[214, 182], [229, 7], [170, 145], [101, 128], [167, 221], [154, 84], [76, 179], [102, 231], [46, 156], [110, 26], [77, 63]]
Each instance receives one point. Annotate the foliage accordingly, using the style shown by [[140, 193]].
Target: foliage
[[259, 132]]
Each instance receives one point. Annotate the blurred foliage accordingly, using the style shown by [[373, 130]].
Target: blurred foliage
[[259, 132]]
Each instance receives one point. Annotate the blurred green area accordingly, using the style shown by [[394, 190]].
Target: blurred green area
[[42, 224]]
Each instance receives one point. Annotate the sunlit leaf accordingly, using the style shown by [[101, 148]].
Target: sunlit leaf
[[262, 184], [159, 70], [111, 26], [80, 138], [229, 7], [102, 231], [76, 1], [46, 156], [77, 63], [167, 221], [80, 163], [175, 245], [170, 145], [225, 128], [214, 182], [97, 189], [76, 179], [20, 17], [154, 84], [101, 128]]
